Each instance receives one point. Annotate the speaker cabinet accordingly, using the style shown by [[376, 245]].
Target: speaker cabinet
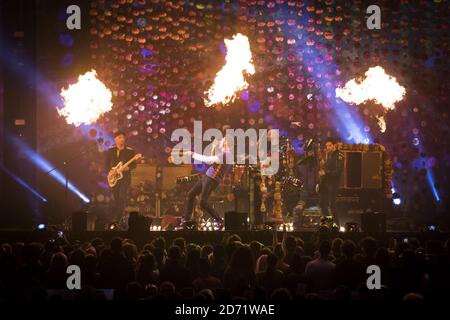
[[236, 220], [138, 223], [353, 170], [362, 170], [371, 170], [373, 222]]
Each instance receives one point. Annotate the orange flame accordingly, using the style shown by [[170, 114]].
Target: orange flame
[[377, 86], [86, 100], [230, 79]]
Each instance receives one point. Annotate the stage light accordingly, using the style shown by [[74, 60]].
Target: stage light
[[155, 228], [41, 226], [288, 227], [432, 185], [342, 229], [345, 118], [396, 198], [112, 226], [432, 227], [23, 183], [351, 227], [46, 166], [190, 225]]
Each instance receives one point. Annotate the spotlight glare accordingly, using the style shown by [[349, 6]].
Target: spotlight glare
[[112, 226], [23, 183], [46, 166]]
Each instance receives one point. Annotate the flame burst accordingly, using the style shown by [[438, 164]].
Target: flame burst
[[86, 100], [230, 79], [381, 123], [377, 86]]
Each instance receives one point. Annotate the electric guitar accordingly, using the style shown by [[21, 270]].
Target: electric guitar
[[115, 174]]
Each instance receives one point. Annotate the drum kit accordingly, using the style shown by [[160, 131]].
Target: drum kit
[[273, 191]]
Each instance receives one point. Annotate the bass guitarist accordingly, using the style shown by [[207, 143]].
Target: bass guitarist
[[120, 153]]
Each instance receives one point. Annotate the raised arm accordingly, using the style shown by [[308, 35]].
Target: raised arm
[[206, 159]]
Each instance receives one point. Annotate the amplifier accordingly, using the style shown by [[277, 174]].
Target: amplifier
[[362, 170], [236, 220]]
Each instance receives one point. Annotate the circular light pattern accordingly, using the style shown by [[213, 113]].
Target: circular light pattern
[[158, 57]]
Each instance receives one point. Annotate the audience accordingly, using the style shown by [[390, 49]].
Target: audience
[[205, 280], [116, 270], [174, 270], [272, 278], [240, 277], [348, 271], [324, 268], [319, 272]]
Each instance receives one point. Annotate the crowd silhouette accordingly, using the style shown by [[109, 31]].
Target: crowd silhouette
[[325, 267]]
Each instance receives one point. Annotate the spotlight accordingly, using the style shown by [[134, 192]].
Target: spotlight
[[396, 199], [155, 228], [289, 227], [156, 224], [45, 166], [112, 226], [23, 183], [209, 225], [270, 226], [189, 225], [41, 226], [342, 229], [351, 227]]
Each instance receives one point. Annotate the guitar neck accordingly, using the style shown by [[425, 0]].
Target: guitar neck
[[129, 162]]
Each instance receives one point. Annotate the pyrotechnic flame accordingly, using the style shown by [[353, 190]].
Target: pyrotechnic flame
[[381, 123], [230, 79], [86, 100], [377, 86]]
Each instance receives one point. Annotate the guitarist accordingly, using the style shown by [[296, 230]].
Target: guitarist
[[120, 152], [330, 175]]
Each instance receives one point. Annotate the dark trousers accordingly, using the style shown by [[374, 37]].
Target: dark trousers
[[328, 193], [204, 187], [120, 192]]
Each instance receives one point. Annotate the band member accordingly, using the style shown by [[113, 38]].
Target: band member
[[120, 152], [206, 185], [306, 169], [330, 174]]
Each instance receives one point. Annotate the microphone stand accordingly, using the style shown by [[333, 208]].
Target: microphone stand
[[66, 164]]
